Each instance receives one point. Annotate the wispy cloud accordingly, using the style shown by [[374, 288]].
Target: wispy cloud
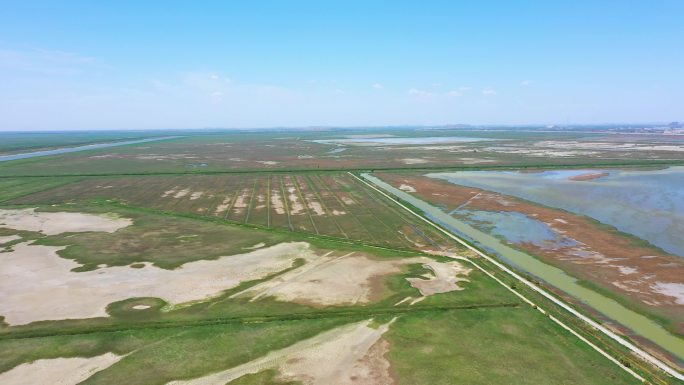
[[420, 93], [454, 93], [45, 62], [488, 92], [378, 86], [525, 83]]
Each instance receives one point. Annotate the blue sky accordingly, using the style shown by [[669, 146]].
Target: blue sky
[[181, 64]]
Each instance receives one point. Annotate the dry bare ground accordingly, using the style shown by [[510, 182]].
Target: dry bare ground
[[50, 223], [58, 371], [37, 284], [354, 279], [348, 355]]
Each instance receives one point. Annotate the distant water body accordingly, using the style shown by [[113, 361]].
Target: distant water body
[[66, 150], [646, 203]]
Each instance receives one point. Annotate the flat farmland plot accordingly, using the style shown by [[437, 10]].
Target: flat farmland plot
[[330, 204]]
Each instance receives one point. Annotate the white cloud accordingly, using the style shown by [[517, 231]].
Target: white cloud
[[377, 86], [454, 93], [420, 93], [525, 83], [488, 92], [464, 89]]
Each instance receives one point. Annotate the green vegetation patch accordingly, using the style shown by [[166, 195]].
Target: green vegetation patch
[[493, 346]]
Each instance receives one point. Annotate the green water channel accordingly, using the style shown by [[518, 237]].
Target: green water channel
[[638, 323]]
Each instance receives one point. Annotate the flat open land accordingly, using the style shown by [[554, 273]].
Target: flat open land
[[262, 258], [345, 149]]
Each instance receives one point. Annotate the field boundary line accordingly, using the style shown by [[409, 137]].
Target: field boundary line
[[328, 213], [346, 208], [251, 200], [375, 200], [345, 313], [305, 203], [286, 204]]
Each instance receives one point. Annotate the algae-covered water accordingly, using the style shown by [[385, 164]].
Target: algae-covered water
[[646, 203], [638, 323]]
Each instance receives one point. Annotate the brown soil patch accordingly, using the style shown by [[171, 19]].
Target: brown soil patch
[[430, 189], [589, 176]]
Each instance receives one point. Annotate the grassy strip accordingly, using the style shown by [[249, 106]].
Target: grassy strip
[[356, 313], [523, 166], [9, 191]]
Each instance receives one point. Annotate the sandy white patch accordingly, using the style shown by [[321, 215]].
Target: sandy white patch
[[141, 307], [256, 246], [348, 201], [414, 160], [261, 202], [36, 284], [267, 162], [476, 160], [58, 371], [329, 280], [348, 355], [242, 201], [338, 212], [223, 206], [169, 192], [181, 193], [350, 279], [626, 270], [196, 195], [407, 188], [50, 223], [671, 289], [8, 238], [316, 207], [277, 203], [296, 208], [446, 277]]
